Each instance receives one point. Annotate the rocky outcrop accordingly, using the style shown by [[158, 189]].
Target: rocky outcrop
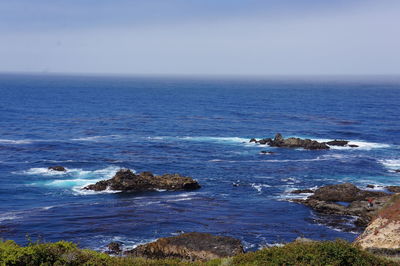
[[384, 230], [281, 142], [308, 144], [189, 246], [57, 168], [329, 200], [126, 180]]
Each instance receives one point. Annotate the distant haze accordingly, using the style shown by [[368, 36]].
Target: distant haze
[[217, 37]]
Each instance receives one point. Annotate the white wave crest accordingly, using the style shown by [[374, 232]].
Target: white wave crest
[[226, 140]]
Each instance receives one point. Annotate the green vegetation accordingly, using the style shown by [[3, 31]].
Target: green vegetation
[[296, 253]]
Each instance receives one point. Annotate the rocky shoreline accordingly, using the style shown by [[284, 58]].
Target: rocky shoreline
[[347, 200], [376, 211]]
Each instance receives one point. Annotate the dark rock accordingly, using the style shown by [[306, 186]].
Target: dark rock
[[337, 142], [189, 246], [125, 180], [394, 189], [353, 146], [253, 140], [279, 141], [57, 168], [264, 141], [345, 193], [370, 186], [397, 171], [114, 248], [300, 191]]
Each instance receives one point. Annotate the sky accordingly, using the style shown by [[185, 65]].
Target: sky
[[201, 37]]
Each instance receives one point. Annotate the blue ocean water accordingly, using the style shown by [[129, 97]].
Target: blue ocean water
[[195, 127]]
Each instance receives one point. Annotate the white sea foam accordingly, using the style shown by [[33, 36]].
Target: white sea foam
[[362, 145], [98, 138], [227, 140], [8, 216], [42, 171], [391, 164], [75, 179], [259, 187], [12, 141]]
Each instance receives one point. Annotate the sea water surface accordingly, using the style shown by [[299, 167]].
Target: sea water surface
[[196, 127]]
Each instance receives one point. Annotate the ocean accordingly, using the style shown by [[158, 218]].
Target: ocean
[[197, 127]]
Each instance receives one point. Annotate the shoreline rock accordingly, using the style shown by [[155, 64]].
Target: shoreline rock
[[189, 246], [382, 234], [126, 180], [346, 200]]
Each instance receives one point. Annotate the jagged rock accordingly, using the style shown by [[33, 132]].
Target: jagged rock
[[189, 246], [300, 191], [126, 180], [253, 140], [57, 168], [353, 146], [383, 231], [370, 186], [337, 142], [394, 189], [114, 248]]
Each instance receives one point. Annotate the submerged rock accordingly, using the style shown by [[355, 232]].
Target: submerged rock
[[267, 152], [383, 231], [57, 168], [126, 180], [189, 246]]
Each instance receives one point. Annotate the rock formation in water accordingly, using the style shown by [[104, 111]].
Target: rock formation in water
[[189, 246], [281, 142], [308, 144], [126, 180]]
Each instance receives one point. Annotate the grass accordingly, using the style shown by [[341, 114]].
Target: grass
[[308, 253]]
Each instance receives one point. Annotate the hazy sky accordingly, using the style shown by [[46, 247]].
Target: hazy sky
[[219, 37]]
